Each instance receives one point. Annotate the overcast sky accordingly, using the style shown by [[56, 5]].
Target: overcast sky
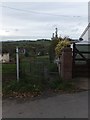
[[35, 20]]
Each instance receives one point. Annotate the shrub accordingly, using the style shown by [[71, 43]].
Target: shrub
[[60, 46]]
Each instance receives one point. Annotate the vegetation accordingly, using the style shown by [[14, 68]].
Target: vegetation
[[57, 45], [52, 49], [32, 48], [37, 73], [8, 72], [35, 77], [60, 46], [27, 88]]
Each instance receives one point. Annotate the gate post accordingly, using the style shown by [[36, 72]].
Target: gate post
[[73, 61], [66, 64]]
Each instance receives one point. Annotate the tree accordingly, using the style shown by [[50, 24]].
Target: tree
[[52, 48]]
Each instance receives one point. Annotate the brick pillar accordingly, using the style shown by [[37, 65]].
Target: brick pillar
[[66, 64]]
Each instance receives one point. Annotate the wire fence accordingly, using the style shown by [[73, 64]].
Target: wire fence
[[37, 71], [8, 72]]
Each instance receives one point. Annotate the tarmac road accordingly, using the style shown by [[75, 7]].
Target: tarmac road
[[60, 106]]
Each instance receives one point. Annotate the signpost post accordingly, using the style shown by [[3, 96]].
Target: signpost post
[[17, 63]]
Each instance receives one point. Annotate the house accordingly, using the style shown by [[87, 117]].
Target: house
[[85, 36], [4, 57]]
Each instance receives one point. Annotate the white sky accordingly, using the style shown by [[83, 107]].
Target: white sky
[[45, 0], [34, 20]]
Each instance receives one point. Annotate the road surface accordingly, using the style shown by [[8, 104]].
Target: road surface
[[59, 106]]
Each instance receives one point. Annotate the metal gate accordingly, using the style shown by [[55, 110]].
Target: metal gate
[[81, 60]]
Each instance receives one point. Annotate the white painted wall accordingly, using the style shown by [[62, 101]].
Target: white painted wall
[[4, 57]]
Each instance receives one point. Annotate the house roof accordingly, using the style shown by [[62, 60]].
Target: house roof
[[86, 34]]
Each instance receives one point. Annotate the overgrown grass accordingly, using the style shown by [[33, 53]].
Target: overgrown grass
[[36, 87], [8, 68], [43, 58], [8, 72], [65, 86], [22, 86]]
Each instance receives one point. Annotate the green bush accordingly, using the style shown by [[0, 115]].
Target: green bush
[[60, 46]]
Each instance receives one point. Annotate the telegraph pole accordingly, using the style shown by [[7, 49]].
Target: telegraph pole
[[56, 33]]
